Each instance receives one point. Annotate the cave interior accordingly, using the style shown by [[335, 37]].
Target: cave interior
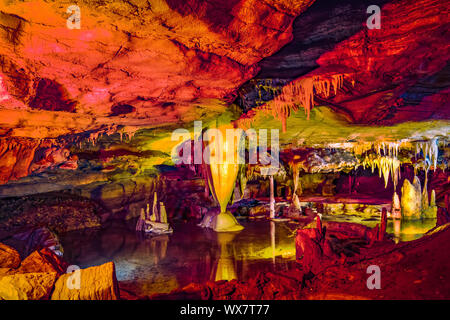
[[224, 149]]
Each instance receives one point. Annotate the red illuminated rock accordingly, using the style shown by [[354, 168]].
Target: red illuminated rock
[[42, 261], [393, 74], [143, 55], [9, 257], [135, 64]]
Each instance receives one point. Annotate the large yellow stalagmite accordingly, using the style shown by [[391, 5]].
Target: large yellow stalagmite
[[411, 200], [224, 174]]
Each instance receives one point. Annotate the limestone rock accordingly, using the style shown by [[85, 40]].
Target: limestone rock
[[6, 271], [9, 257], [411, 201], [27, 286], [43, 260], [96, 283], [431, 210], [396, 208]]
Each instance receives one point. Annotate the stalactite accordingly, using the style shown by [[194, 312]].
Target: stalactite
[[388, 166], [430, 150], [301, 92], [297, 93]]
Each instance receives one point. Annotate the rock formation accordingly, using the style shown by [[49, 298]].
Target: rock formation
[[96, 283], [414, 202]]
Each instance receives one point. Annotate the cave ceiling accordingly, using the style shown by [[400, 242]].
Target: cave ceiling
[[136, 70]]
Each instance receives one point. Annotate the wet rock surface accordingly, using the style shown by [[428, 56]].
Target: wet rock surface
[[9, 257]]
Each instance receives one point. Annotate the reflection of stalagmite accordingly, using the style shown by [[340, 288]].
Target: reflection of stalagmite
[[273, 240], [425, 197], [140, 225], [225, 268], [397, 230]]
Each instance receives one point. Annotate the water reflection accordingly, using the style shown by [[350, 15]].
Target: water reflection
[[159, 264], [402, 230], [147, 265], [225, 265]]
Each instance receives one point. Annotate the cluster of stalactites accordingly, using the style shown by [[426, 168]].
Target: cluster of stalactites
[[388, 166], [126, 131], [430, 151], [389, 149], [297, 93], [386, 160]]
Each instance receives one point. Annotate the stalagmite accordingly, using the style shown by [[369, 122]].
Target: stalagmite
[[396, 208], [425, 203], [431, 210], [157, 223], [414, 201], [433, 198], [162, 213], [224, 176], [140, 225], [411, 200], [155, 212]]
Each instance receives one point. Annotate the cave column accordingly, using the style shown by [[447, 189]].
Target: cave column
[[272, 198]]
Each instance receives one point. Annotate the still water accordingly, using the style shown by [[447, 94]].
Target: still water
[[159, 264], [400, 230]]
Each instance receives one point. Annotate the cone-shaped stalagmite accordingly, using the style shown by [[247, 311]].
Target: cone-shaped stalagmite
[[155, 213], [425, 195], [414, 202], [396, 208], [411, 201], [162, 213], [431, 210]]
